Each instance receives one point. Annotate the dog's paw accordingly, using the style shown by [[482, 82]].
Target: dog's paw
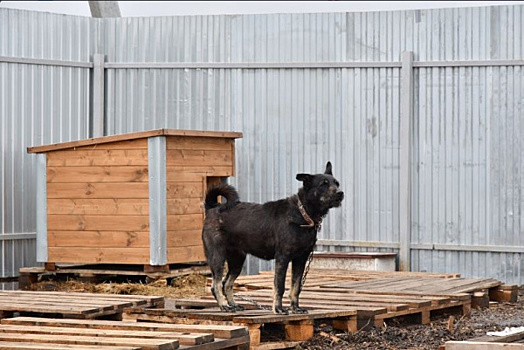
[[237, 307], [281, 311], [297, 310], [227, 308]]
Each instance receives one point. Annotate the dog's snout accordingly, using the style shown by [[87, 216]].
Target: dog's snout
[[340, 195]]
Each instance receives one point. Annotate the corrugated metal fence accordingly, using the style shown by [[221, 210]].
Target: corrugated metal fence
[[304, 89]]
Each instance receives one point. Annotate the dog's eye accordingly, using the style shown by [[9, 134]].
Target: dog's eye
[[325, 182], [336, 183]]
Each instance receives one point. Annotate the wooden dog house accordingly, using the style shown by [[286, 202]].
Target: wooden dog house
[[128, 199]]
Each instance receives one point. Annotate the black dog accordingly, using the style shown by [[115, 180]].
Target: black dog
[[284, 230]]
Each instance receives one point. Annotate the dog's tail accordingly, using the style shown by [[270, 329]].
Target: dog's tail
[[226, 191]]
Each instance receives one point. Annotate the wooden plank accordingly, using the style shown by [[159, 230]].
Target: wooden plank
[[177, 239], [98, 206], [88, 255], [198, 143], [23, 302], [355, 297], [174, 174], [95, 174], [311, 315], [363, 310], [131, 136], [97, 223], [183, 338], [61, 309], [189, 157], [220, 344], [445, 296], [6, 345], [407, 297], [469, 345], [197, 133], [185, 222], [99, 239], [185, 190], [72, 300], [500, 339], [98, 157], [219, 331], [152, 344], [112, 142], [186, 254], [135, 300], [334, 304], [98, 190], [207, 170], [181, 206]]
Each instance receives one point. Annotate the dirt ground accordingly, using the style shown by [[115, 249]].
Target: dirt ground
[[395, 335]]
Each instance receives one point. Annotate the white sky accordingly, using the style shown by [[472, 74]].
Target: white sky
[[173, 8]]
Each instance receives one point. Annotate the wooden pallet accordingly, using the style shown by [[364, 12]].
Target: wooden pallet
[[72, 305], [372, 309], [296, 328], [400, 283], [322, 277], [482, 290], [347, 311], [46, 333], [513, 341], [101, 273]]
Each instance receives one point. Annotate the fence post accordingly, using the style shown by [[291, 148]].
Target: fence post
[[98, 94], [406, 134]]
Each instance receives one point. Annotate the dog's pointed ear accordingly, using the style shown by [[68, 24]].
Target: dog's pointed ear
[[328, 169], [305, 178]]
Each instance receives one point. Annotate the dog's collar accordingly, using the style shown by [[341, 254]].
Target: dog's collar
[[308, 219]]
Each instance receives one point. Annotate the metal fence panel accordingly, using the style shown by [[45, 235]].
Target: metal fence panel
[[39, 104], [467, 137]]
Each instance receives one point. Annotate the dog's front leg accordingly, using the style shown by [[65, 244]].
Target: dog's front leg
[[297, 271], [279, 285]]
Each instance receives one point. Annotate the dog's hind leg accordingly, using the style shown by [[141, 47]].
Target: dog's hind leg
[[216, 258], [279, 285], [235, 262], [217, 271], [297, 271]]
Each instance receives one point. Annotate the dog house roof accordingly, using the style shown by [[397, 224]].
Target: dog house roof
[[133, 136]]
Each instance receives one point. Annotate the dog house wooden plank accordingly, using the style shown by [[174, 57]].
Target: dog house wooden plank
[[102, 239], [97, 174], [132, 140], [189, 254], [117, 255], [98, 190], [184, 189], [125, 206], [184, 222], [181, 238], [98, 157], [182, 206], [207, 170], [198, 157], [97, 222], [201, 143]]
